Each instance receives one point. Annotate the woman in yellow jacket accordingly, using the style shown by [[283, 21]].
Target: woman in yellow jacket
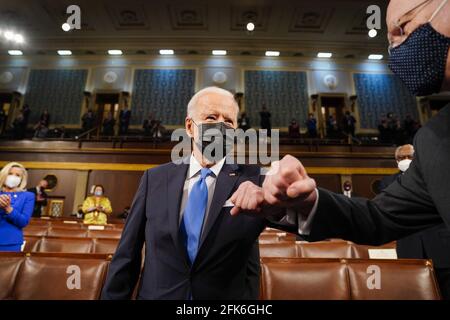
[[97, 207]]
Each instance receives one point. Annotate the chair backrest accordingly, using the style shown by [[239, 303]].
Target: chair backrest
[[392, 280], [358, 279], [66, 245], [37, 231], [324, 249], [362, 251], [60, 278], [278, 250], [105, 234], [105, 245], [10, 264], [303, 279], [67, 232]]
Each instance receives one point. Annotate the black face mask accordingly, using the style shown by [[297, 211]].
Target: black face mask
[[215, 140], [421, 60]]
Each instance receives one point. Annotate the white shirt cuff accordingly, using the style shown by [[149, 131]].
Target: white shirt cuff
[[304, 224]]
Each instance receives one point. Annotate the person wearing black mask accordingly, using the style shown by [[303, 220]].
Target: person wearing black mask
[[419, 36], [194, 248]]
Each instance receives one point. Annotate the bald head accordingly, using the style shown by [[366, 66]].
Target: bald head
[[404, 152]]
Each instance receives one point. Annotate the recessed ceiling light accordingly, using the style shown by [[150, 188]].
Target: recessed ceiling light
[[66, 27], [18, 38], [64, 52], [115, 52], [373, 33], [272, 53], [165, 52], [9, 35], [250, 26], [219, 52], [324, 55], [375, 57], [15, 52]]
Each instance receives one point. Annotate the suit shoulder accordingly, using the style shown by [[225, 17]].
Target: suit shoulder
[[250, 169], [436, 129], [162, 168]]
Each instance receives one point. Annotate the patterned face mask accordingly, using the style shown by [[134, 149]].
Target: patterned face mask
[[421, 60]]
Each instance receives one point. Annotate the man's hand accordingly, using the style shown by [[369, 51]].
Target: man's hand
[[288, 185], [248, 197]]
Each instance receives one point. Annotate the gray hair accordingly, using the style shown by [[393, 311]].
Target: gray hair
[[194, 100]]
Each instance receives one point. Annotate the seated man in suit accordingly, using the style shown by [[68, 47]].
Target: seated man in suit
[[403, 155], [194, 248]]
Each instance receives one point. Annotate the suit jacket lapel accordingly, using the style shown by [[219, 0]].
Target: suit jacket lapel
[[228, 177], [175, 183]]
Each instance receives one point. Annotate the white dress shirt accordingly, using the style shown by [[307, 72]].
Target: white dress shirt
[[193, 175], [304, 224]]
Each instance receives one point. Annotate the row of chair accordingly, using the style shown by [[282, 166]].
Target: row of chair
[[321, 249], [71, 232], [342, 279], [70, 245], [71, 223], [47, 276]]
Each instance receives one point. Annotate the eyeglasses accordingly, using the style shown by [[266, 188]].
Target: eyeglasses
[[399, 26]]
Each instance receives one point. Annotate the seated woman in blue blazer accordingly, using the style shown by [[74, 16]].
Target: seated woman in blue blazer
[[16, 206]]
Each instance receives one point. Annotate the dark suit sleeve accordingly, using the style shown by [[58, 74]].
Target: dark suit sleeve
[[405, 207], [253, 273], [125, 266]]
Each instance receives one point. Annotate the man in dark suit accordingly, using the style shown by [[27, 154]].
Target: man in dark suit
[[41, 197], [194, 248], [420, 199], [429, 244]]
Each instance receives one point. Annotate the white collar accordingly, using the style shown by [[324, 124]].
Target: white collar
[[195, 167]]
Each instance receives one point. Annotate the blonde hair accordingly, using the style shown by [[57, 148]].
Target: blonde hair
[[5, 172]]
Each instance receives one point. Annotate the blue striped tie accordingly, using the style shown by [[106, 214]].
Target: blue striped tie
[[194, 214]]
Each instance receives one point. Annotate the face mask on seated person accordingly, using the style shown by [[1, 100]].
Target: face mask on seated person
[[12, 181], [215, 140], [420, 62], [98, 193], [403, 165]]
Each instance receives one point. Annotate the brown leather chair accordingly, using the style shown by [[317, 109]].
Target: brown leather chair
[[39, 222], [278, 250], [37, 231], [398, 280], [55, 278], [65, 245], [10, 264], [324, 249], [67, 232], [31, 243], [368, 279], [105, 246], [304, 279], [61, 224], [362, 251], [105, 234]]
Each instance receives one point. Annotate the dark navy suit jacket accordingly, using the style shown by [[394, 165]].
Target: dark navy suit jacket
[[227, 263]]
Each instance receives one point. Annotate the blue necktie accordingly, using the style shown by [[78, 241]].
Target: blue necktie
[[194, 214]]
